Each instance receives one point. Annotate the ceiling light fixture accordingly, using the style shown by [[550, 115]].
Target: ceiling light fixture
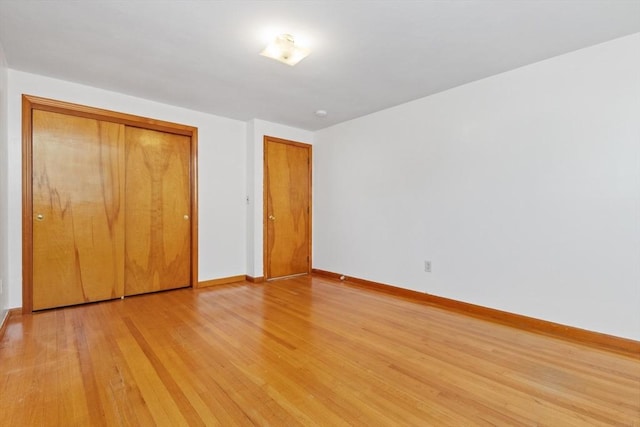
[[284, 49]]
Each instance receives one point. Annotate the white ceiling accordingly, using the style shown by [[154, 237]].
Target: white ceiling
[[366, 55]]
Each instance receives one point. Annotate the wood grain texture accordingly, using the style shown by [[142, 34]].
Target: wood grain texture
[[53, 105], [27, 205], [304, 351], [30, 104], [582, 336], [157, 239], [193, 185], [287, 223], [78, 208], [5, 319], [221, 281]]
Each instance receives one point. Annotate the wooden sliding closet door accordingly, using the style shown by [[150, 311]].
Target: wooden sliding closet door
[[78, 210], [108, 204], [158, 217]]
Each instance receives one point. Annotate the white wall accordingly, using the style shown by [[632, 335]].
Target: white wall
[[221, 172], [256, 130], [523, 189], [4, 262]]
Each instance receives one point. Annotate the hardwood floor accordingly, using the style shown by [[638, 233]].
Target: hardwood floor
[[303, 351]]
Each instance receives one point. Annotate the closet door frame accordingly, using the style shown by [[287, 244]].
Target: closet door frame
[[31, 103]]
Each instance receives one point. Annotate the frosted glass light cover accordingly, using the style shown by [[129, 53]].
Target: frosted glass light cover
[[284, 49]]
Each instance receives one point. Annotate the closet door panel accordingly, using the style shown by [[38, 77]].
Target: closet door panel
[[158, 217], [78, 209]]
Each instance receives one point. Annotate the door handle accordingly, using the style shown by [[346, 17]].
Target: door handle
[[40, 217], [271, 217]]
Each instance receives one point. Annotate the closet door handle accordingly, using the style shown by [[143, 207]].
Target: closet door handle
[[272, 218], [186, 217], [40, 217]]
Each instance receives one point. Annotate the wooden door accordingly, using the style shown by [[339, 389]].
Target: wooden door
[[158, 217], [287, 190], [78, 209]]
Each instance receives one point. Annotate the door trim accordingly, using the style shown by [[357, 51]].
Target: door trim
[[31, 103], [265, 196]]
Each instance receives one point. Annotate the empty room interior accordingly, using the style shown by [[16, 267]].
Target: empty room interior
[[281, 213]]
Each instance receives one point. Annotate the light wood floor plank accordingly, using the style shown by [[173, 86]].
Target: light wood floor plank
[[303, 351]]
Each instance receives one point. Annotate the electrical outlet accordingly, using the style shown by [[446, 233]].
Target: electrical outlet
[[427, 266]]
